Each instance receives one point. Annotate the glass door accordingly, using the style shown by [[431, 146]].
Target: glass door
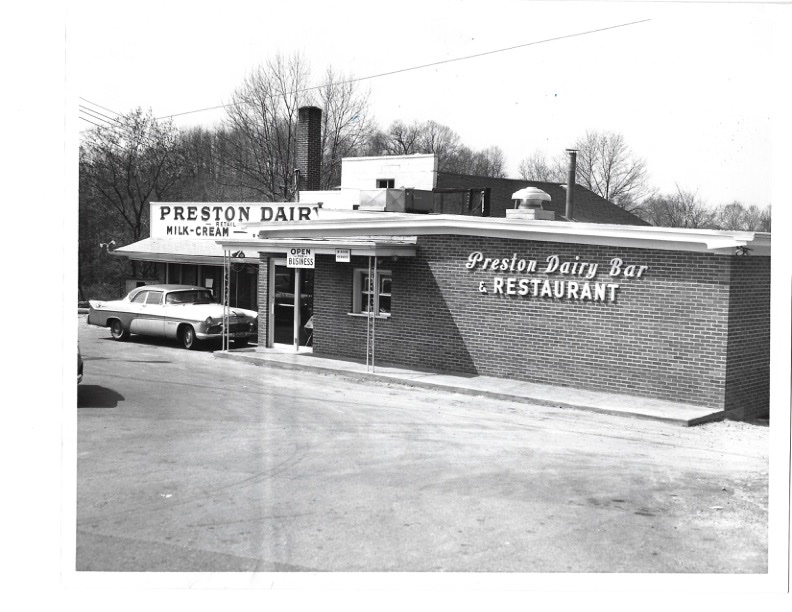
[[284, 304]]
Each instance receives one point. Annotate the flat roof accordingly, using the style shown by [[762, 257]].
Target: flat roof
[[404, 224]]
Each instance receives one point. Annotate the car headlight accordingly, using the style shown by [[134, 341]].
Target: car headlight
[[209, 321]]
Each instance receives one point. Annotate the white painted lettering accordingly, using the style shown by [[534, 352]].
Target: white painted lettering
[[473, 259]]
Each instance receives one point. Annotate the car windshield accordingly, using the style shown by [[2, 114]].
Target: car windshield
[[189, 297]]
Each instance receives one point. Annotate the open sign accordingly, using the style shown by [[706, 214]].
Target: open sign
[[300, 258]]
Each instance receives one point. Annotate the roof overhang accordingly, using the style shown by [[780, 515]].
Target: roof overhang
[[172, 250], [400, 224], [403, 246]]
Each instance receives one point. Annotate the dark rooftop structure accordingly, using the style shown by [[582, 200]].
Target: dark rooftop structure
[[589, 207]]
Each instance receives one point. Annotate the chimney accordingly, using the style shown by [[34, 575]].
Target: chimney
[[570, 194], [309, 148]]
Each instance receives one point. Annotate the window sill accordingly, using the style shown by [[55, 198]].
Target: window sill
[[365, 315]]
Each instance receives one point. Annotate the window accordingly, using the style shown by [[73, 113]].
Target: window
[[154, 297], [385, 183], [374, 291], [140, 297], [198, 296]]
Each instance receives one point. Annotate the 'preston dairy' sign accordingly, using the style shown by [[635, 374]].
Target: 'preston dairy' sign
[[510, 284], [220, 220]]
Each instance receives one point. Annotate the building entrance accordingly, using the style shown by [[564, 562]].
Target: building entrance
[[290, 327]]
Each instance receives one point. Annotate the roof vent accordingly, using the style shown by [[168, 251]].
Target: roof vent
[[528, 205]]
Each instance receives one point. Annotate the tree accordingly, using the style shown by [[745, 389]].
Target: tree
[[431, 137], [125, 163], [262, 126], [680, 209], [489, 162], [607, 166], [535, 167], [737, 216], [346, 127]]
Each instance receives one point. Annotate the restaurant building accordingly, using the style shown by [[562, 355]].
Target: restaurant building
[[392, 269], [678, 315]]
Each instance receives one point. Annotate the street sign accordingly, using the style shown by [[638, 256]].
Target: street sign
[[300, 258], [343, 255]]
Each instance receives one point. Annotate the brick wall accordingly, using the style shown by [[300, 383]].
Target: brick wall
[[666, 335], [309, 147], [748, 354]]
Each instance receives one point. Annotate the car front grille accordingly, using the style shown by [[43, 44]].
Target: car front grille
[[233, 328]]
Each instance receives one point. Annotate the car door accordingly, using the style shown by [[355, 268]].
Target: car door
[[154, 314], [137, 304]]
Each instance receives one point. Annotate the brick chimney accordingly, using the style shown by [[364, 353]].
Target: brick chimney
[[309, 148]]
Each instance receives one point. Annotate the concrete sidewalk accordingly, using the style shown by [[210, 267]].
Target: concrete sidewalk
[[284, 357]]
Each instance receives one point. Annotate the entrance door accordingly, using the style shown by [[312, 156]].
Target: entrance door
[[284, 303]]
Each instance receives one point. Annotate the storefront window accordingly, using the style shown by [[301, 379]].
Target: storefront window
[[372, 291]]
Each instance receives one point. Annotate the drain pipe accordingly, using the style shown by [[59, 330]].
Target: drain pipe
[[570, 196]]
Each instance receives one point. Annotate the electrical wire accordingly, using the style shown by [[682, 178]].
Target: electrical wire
[[93, 114], [429, 65]]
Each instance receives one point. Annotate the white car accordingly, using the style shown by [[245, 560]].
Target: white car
[[183, 312]]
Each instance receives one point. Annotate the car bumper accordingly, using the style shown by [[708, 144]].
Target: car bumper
[[218, 336]]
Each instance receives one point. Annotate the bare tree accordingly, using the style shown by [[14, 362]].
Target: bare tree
[[125, 163], [489, 162], [536, 167], [262, 128], [607, 166], [399, 139], [681, 209], [346, 127], [438, 139], [737, 216], [431, 137]]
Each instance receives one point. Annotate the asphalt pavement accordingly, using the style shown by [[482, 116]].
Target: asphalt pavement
[[188, 461]]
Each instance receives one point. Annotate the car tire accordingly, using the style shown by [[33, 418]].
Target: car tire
[[188, 338], [240, 343], [117, 330]]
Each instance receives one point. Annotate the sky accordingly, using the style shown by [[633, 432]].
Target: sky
[[688, 85]]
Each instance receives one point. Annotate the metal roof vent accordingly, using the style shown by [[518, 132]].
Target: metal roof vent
[[528, 205]]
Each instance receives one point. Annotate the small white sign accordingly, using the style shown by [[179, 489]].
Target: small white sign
[[343, 255], [300, 258]]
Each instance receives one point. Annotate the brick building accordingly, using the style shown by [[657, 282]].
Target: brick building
[[415, 267], [680, 315]]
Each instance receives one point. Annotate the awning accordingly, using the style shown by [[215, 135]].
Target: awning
[[174, 250], [377, 246]]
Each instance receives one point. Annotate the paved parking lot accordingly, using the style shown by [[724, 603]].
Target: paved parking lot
[[187, 462]]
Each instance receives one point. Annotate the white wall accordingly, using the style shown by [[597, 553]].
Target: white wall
[[410, 171], [343, 199]]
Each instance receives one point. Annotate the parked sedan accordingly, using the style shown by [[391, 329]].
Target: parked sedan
[[186, 313]]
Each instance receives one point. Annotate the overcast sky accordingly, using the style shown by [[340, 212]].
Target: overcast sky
[[689, 85]]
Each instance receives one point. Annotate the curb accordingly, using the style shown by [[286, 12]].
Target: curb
[[386, 379]]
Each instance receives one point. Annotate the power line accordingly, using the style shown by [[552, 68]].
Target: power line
[[437, 63], [106, 120], [92, 123], [97, 115], [109, 110]]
